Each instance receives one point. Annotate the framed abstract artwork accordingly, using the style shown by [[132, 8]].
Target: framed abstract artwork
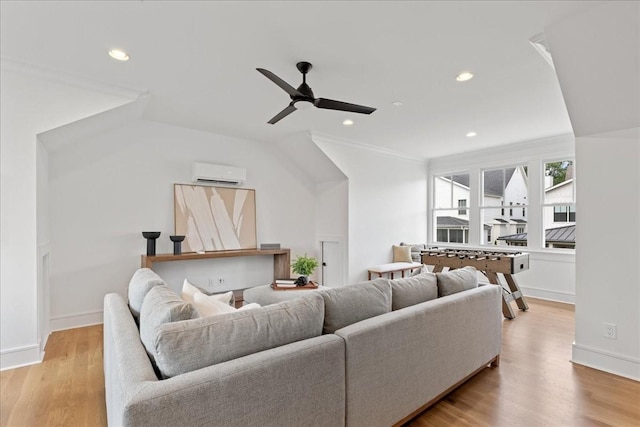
[[215, 218]]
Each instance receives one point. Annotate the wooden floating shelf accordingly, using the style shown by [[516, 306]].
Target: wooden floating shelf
[[281, 258]]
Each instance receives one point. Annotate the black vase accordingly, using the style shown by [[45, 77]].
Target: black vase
[[151, 237], [177, 244]]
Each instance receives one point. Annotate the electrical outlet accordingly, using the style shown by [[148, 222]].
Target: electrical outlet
[[220, 281], [610, 331]]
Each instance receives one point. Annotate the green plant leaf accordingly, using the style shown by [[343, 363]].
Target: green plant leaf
[[304, 265]]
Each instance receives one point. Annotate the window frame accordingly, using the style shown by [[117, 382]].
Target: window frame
[[452, 208], [569, 206], [503, 207], [532, 154]]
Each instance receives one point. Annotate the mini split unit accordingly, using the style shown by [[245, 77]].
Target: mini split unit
[[205, 173]]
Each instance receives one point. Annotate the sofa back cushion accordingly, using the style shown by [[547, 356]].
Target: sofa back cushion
[[193, 344], [160, 306], [353, 303], [413, 290], [458, 280], [141, 282]]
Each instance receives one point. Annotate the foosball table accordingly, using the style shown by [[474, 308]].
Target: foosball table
[[490, 263]]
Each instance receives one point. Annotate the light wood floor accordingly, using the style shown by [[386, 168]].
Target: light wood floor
[[535, 384]]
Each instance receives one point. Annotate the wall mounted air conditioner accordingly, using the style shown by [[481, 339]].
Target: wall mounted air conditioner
[[205, 173]]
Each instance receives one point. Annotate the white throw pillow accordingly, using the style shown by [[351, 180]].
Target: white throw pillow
[[189, 290], [226, 297], [210, 305]]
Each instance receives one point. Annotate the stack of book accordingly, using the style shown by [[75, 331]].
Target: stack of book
[[285, 283]]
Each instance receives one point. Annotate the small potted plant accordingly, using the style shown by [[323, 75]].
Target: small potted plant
[[304, 266]]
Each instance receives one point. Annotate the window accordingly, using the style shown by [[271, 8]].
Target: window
[[495, 201], [462, 203], [559, 209], [500, 188], [565, 213], [450, 213]]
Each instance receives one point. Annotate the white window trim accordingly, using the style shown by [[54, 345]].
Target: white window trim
[[533, 154]]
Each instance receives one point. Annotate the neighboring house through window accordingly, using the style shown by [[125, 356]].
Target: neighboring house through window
[[462, 203]]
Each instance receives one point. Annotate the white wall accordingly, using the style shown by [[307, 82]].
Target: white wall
[[106, 190], [608, 272], [387, 202], [32, 101], [597, 58]]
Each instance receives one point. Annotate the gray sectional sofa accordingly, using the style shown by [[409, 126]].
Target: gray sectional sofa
[[374, 353]]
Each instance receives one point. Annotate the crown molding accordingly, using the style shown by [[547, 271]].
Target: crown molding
[[550, 147], [17, 66]]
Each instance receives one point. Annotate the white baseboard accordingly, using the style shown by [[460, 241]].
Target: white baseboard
[[21, 356], [605, 361], [75, 320], [549, 294]]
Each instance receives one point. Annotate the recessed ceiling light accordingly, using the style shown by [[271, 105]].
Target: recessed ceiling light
[[396, 104], [118, 54], [464, 76], [348, 122], [471, 134]]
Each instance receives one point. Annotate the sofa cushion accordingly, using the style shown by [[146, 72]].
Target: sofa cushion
[[401, 254], [457, 280], [413, 290], [193, 344], [160, 306], [189, 290], [141, 282], [356, 302]]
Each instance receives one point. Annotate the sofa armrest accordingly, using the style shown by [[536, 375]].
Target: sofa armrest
[[302, 383], [428, 348]]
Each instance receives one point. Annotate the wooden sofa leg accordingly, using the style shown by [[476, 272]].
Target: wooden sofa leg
[[495, 362]]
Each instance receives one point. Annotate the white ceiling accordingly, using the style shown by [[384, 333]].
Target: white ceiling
[[198, 61]]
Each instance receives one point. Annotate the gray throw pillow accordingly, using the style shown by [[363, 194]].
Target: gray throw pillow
[[161, 305], [141, 282], [353, 303], [454, 281], [413, 290], [194, 344]]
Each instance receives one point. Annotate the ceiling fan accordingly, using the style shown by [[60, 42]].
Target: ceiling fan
[[304, 94]]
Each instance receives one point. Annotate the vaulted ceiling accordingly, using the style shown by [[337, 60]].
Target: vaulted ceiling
[[198, 61]]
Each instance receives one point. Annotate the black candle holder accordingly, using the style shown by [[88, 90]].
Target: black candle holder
[[177, 244], [151, 237]]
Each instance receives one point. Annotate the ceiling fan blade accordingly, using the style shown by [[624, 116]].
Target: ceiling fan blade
[[277, 80], [330, 104], [282, 114]]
